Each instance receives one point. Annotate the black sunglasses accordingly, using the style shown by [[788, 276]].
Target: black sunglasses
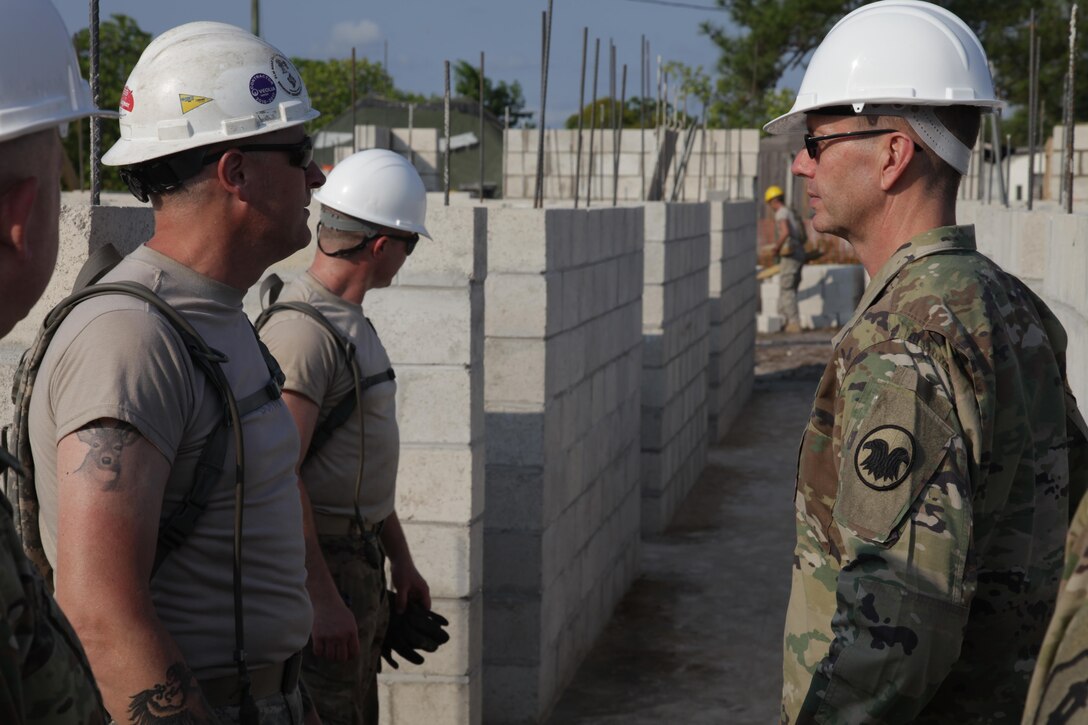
[[812, 142], [409, 241], [299, 154]]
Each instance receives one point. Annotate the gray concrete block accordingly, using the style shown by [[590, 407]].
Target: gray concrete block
[[440, 484]]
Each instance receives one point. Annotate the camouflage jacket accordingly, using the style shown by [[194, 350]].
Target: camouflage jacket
[[933, 496], [44, 676], [1058, 694]]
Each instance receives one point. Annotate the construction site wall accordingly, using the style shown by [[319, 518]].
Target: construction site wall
[[731, 313], [523, 460], [563, 357], [723, 160], [1048, 250], [675, 328]]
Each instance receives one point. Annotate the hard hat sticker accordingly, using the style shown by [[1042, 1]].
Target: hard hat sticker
[[189, 102], [126, 99], [286, 76], [262, 88]]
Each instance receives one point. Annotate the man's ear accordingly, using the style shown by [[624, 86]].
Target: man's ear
[[16, 205], [231, 172], [899, 150], [377, 249]]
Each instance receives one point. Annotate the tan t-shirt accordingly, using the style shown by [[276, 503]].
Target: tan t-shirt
[[114, 358], [315, 367]]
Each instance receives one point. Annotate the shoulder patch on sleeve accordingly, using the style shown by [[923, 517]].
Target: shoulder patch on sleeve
[[893, 443]]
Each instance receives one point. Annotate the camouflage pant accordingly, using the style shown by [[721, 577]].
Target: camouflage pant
[[789, 279], [273, 710], [346, 693]]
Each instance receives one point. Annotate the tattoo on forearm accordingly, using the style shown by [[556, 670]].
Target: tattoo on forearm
[[171, 702], [107, 440]]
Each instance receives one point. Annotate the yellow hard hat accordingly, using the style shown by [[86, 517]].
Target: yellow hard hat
[[773, 192]]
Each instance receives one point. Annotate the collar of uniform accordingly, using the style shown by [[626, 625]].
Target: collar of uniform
[[941, 239], [198, 285], [323, 293]]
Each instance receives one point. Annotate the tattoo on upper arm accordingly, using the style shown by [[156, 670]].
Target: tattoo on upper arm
[[107, 439], [178, 701]]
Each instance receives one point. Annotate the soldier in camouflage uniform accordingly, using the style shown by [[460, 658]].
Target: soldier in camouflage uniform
[[934, 479], [44, 675]]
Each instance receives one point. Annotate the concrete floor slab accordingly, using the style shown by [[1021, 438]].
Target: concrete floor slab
[[698, 638]]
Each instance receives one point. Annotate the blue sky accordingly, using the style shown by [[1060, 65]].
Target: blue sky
[[421, 34]]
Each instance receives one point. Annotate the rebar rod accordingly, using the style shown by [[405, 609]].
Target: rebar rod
[[593, 123], [446, 127], [995, 129], [96, 122], [619, 138], [612, 112], [1032, 71], [546, 29], [481, 127], [354, 84], [1070, 124], [642, 119], [581, 117]]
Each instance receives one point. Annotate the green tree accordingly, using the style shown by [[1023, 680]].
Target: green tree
[[632, 113], [120, 42], [497, 96], [777, 36], [329, 84]]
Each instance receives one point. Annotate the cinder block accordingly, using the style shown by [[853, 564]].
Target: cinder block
[[432, 402], [451, 557], [440, 484], [516, 305], [515, 372], [452, 701], [423, 325], [516, 241]]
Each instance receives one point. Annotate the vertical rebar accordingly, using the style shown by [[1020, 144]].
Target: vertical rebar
[[481, 127], [446, 125], [702, 160], [1008, 169], [411, 127], [993, 157], [619, 138], [581, 117], [96, 122], [506, 118], [593, 122], [354, 84], [1032, 71], [255, 17], [642, 118], [546, 24], [995, 128], [1070, 123], [612, 113]]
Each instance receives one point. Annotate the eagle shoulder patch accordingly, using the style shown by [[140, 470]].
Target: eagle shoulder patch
[[885, 457], [893, 444]]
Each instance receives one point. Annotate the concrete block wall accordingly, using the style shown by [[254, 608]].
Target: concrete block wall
[[731, 313], [827, 297], [418, 145], [563, 359], [675, 327], [431, 321], [1048, 250], [1080, 163], [725, 161]]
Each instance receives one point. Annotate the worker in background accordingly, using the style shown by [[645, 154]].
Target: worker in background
[[341, 389], [937, 473], [789, 251], [44, 675]]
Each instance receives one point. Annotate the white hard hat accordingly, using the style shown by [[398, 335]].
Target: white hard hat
[[40, 82], [380, 187], [202, 83], [893, 52]]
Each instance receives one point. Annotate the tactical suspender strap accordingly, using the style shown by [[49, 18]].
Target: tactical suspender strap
[[346, 405]]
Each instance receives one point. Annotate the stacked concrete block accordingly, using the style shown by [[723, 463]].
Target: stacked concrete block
[[1080, 162], [563, 360], [827, 296], [731, 312], [722, 160], [420, 147], [675, 356], [1048, 250], [432, 324]]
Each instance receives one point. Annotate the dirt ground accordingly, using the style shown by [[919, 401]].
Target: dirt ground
[[797, 356]]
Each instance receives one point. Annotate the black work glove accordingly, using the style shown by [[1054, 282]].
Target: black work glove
[[417, 628]]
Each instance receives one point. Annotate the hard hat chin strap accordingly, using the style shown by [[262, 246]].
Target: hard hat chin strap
[[934, 134]]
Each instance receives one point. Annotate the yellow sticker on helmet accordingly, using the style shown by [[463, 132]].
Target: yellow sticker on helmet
[[189, 102]]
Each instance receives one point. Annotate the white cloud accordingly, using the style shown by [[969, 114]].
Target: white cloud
[[347, 34]]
